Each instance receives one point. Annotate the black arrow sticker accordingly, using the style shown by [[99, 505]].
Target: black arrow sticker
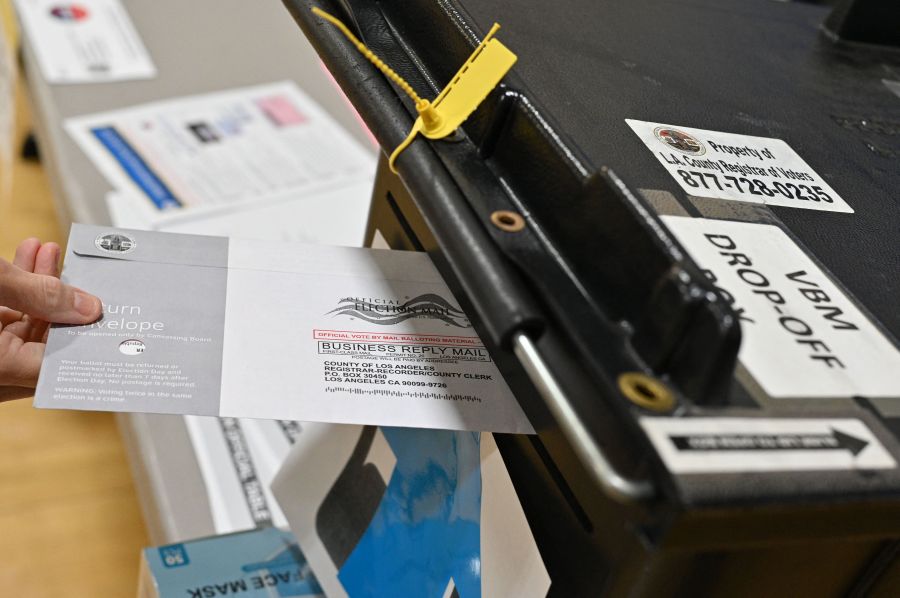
[[836, 440]]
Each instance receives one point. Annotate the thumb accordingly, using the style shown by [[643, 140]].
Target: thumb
[[46, 297]]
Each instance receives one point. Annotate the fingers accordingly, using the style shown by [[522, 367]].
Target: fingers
[[30, 285], [26, 253], [9, 316], [46, 260], [24, 328], [32, 256], [20, 362], [8, 393], [45, 297], [29, 329], [39, 331]]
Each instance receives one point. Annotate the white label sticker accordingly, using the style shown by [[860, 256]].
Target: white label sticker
[[740, 444], [738, 167], [802, 337]]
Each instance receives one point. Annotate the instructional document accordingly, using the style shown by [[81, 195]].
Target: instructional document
[[90, 41], [223, 151], [238, 328]]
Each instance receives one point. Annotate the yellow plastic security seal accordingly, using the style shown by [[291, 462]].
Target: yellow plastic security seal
[[481, 73]]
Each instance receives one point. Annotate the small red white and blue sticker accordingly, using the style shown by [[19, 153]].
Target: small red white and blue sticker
[[69, 12]]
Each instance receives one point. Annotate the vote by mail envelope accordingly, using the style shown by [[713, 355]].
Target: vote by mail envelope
[[236, 328]]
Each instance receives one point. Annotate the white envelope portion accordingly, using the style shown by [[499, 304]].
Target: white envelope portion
[[350, 335], [399, 512], [199, 325]]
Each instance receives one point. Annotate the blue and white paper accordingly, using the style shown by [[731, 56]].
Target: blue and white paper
[[262, 563], [408, 512]]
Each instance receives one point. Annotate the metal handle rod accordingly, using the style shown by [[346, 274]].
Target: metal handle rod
[[591, 455]]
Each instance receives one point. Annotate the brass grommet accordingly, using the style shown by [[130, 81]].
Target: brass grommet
[[508, 221], [645, 391]]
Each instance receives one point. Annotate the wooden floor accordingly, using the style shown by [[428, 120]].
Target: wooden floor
[[70, 523]]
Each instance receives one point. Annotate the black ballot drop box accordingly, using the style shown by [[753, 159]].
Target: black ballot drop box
[[664, 465]]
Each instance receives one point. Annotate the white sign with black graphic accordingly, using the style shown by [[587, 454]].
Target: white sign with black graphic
[[738, 167], [736, 444], [802, 337]]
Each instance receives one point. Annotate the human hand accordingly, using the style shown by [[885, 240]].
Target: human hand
[[31, 296]]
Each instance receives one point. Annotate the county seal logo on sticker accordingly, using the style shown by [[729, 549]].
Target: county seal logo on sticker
[[115, 243], [679, 140]]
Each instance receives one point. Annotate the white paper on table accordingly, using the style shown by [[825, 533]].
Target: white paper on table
[[398, 512], [127, 211], [223, 151], [238, 459], [91, 41], [334, 216]]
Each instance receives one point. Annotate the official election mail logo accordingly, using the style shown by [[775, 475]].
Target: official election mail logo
[[386, 312], [680, 141], [115, 243]]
